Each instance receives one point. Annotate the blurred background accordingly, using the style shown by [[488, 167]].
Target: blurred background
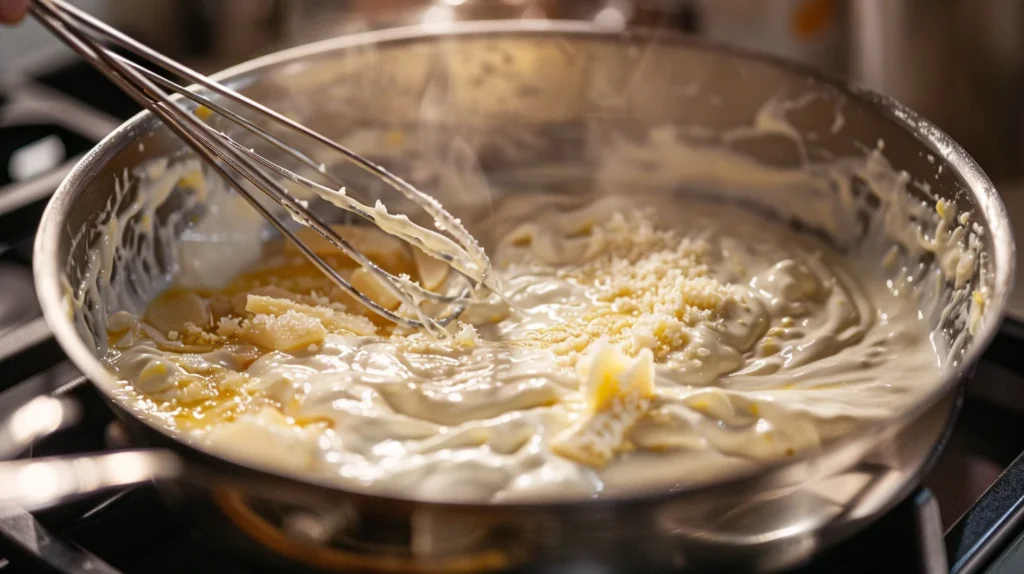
[[958, 62]]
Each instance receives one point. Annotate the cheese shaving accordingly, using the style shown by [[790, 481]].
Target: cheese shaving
[[617, 391]]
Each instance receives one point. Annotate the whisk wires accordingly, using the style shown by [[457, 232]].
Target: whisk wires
[[238, 164]]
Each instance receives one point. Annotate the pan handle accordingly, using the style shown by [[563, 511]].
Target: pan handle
[[38, 483]]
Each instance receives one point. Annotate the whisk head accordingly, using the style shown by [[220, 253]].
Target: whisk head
[[253, 174]]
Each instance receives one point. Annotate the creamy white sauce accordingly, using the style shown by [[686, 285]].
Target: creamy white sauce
[[807, 346], [825, 343]]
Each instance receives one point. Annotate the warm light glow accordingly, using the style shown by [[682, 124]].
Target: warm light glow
[[36, 158], [439, 16], [610, 17], [36, 418], [40, 482]]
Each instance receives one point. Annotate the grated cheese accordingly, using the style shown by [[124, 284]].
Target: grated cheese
[[331, 319], [650, 285]]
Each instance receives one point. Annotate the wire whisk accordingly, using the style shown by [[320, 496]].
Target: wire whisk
[[451, 243]]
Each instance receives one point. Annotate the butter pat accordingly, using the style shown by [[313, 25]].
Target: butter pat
[[617, 391]]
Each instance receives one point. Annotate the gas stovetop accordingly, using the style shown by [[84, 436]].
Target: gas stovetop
[[965, 518]]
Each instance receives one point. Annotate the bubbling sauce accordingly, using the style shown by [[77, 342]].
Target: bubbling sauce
[[639, 343]]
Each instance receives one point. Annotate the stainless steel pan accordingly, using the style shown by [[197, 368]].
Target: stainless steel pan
[[524, 97]]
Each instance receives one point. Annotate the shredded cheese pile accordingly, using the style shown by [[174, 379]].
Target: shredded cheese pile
[[649, 286]]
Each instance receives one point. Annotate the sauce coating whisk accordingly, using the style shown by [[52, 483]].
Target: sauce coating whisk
[[451, 244]]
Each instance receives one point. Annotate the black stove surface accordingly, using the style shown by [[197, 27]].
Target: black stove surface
[[82, 82], [966, 518]]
